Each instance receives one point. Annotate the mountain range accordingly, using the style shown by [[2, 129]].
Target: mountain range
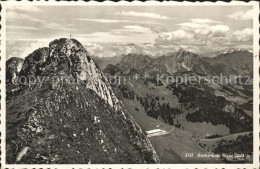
[[234, 63], [207, 117]]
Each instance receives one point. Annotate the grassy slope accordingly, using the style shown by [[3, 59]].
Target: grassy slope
[[170, 148], [212, 142], [69, 133]]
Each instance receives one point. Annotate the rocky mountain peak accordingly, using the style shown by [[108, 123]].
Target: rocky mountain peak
[[68, 57], [69, 48], [65, 46], [185, 54], [181, 50], [79, 120]]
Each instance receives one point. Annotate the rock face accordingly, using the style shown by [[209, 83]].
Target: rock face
[[170, 64], [234, 63], [13, 67], [112, 70], [68, 122], [136, 61], [33, 63], [180, 61], [66, 57], [239, 61]]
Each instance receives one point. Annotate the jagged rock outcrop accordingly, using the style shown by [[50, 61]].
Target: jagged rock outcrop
[[67, 57], [80, 122], [33, 63], [13, 67]]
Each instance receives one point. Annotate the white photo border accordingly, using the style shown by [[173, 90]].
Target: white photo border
[[256, 102]]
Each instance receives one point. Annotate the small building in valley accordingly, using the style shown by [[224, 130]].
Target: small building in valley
[[156, 132]]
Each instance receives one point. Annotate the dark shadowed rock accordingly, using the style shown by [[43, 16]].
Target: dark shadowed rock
[[13, 67], [33, 63], [112, 70]]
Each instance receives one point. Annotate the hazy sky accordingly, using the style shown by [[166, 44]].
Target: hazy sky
[[114, 30]]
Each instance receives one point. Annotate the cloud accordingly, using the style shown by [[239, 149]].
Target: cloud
[[104, 20], [115, 49], [95, 49], [245, 35], [21, 27], [192, 25], [205, 27], [242, 15], [126, 34], [157, 29], [198, 23], [219, 30], [203, 21], [142, 14], [134, 28], [50, 26], [53, 25], [176, 35], [22, 48], [28, 8], [118, 49], [93, 46], [129, 26], [197, 34], [12, 15], [15, 15]]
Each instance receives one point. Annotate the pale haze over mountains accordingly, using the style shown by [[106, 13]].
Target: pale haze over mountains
[[119, 30]]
